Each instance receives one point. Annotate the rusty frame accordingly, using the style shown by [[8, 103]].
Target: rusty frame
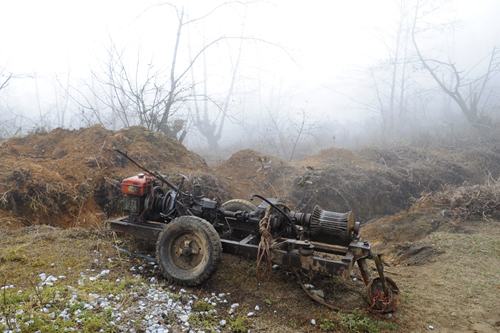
[[355, 252]]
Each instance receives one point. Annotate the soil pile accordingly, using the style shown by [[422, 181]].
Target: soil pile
[[70, 177], [248, 172], [66, 178], [371, 182]]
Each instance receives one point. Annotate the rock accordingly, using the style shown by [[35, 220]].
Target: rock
[[319, 293], [51, 279]]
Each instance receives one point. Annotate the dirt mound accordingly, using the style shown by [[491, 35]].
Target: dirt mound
[[69, 177], [248, 172], [371, 182]]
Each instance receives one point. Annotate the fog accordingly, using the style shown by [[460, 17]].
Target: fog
[[282, 77]]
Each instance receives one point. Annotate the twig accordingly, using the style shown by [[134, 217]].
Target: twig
[[5, 311], [3, 199], [97, 162], [37, 292], [112, 182]]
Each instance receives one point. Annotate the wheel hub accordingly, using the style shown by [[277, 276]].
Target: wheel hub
[[186, 252]]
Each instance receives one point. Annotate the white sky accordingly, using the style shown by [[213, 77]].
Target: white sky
[[325, 36], [42, 35]]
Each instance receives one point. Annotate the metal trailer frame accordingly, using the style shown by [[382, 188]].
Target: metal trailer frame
[[298, 254]]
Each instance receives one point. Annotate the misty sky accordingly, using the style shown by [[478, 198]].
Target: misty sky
[[325, 38]]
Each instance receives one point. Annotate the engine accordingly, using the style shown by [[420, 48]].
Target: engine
[[135, 190], [146, 200]]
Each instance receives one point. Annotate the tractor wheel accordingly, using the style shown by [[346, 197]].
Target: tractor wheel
[[188, 251], [238, 204]]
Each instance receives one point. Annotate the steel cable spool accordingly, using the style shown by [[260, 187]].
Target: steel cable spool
[[334, 227]]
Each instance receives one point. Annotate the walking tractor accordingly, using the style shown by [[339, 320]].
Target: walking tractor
[[191, 232]]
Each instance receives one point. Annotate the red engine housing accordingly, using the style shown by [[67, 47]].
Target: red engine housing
[[139, 185]]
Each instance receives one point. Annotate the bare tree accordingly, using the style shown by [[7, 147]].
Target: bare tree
[[282, 126], [390, 79], [211, 127], [466, 93], [4, 79], [141, 94], [60, 96], [5, 124]]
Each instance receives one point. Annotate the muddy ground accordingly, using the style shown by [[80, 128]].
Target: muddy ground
[[435, 215]]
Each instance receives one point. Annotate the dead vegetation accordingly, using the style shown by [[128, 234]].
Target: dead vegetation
[[461, 203], [60, 177]]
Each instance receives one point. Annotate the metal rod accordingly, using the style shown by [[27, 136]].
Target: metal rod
[[380, 269], [157, 174]]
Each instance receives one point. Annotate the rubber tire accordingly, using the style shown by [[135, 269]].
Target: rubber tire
[[210, 251], [239, 204]]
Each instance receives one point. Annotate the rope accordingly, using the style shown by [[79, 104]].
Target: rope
[[384, 303], [264, 250]]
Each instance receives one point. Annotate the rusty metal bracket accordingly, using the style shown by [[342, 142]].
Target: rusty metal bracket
[[291, 259], [148, 230]]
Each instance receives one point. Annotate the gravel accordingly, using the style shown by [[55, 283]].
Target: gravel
[[149, 306]]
